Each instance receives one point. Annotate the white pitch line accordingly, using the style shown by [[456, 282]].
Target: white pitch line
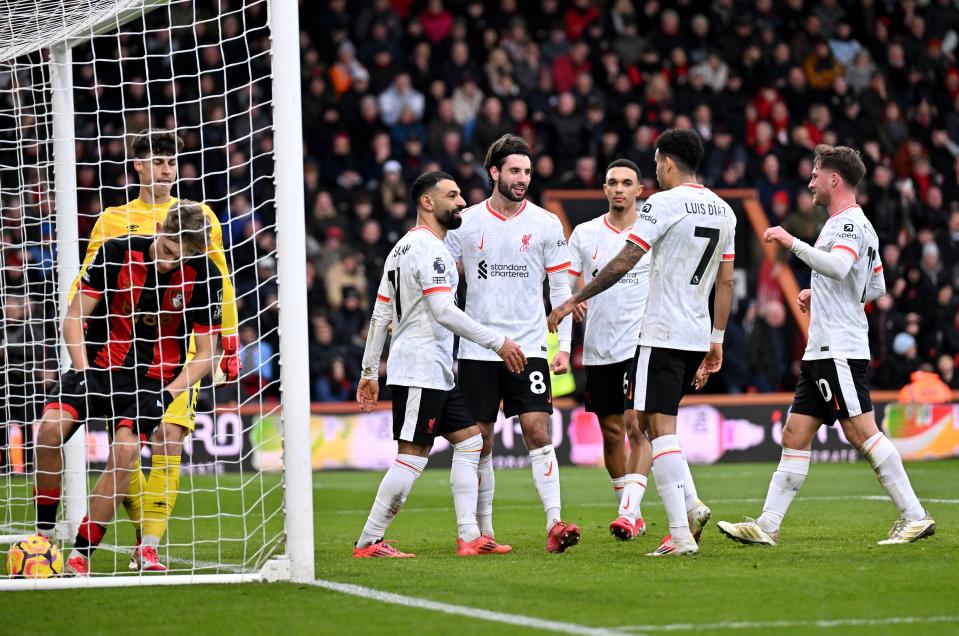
[[470, 612], [839, 622], [652, 504]]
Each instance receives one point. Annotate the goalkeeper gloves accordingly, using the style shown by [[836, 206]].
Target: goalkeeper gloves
[[230, 364]]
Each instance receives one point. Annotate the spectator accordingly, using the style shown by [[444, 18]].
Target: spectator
[[895, 372], [399, 96], [256, 358], [946, 368], [348, 273], [766, 346]]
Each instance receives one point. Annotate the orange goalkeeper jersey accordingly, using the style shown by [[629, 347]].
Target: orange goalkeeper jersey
[[139, 217]]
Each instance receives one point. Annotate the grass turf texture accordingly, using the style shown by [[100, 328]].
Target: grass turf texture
[[828, 566]]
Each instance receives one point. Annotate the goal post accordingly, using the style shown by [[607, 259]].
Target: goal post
[[234, 520]]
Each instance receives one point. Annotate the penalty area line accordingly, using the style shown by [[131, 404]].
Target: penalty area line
[[825, 623], [518, 620]]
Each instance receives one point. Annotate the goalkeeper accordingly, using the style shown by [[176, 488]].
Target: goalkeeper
[[150, 502]]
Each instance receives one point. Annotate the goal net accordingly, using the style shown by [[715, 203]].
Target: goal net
[[79, 79]]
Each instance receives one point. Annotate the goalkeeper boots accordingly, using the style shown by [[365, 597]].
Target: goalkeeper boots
[[145, 559], [905, 531], [748, 532], [380, 549], [561, 537], [482, 545], [77, 566]]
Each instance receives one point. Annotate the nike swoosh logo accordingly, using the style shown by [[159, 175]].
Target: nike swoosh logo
[[626, 505], [482, 241], [550, 471], [596, 253]]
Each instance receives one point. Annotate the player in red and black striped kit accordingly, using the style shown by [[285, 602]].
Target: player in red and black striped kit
[[140, 300]]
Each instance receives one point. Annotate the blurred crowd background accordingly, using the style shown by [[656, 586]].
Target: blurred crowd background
[[392, 88]]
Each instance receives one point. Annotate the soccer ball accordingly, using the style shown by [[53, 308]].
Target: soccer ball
[[35, 557]]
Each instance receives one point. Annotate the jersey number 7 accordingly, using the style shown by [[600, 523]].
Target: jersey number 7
[[712, 234]]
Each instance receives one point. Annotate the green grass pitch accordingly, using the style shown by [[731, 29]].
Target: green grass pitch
[[828, 567]]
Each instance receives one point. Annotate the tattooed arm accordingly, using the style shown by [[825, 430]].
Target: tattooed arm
[[606, 278]]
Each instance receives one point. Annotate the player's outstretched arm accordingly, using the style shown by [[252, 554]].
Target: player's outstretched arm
[[834, 264], [445, 312], [606, 278], [368, 390]]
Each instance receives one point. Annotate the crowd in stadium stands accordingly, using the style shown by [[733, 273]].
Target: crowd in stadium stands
[[395, 87], [392, 88]]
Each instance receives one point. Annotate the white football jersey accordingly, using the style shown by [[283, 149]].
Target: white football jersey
[[421, 350], [505, 262], [614, 316], [837, 318], [690, 230]]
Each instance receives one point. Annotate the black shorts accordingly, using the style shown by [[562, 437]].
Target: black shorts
[[419, 415], [832, 389], [485, 383], [114, 397], [606, 386], [660, 378]]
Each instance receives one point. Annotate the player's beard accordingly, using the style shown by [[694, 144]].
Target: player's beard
[[507, 192], [821, 198], [451, 220]]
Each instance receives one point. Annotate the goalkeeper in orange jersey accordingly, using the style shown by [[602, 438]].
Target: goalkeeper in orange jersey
[[150, 502]]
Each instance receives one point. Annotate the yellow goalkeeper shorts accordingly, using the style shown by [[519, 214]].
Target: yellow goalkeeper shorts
[[182, 411]]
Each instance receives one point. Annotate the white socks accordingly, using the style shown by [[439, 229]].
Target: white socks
[[786, 481], [887, 463], [392, 494], [546, 476], [670, 477], [692, 497], [634, 487], [465, 485], [619, 483], [484, 499]]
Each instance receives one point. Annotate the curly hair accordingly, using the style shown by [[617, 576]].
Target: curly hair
[[685, 147]]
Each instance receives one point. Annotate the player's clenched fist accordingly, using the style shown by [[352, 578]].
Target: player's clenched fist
[[779, 235], [367, 393], [513, 356]]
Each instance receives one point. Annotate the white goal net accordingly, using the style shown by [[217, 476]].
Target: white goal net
[[79, 80]]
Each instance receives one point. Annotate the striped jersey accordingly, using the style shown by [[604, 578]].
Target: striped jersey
[[837, 317], [145, 317], [690, 230], [505, 261], [421, 350], [614, 317]]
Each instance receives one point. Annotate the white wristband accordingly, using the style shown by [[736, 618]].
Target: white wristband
[[716, 337]]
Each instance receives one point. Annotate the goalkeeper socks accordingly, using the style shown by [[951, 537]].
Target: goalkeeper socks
[[160, 497], [465, 486], [133, 502], [484, 499], [618, 484], [633, 490], [394, 489], [47, 501], [670, 477], [88, 538], [545, 469], [887, 463], [786, 481], [692, 497]]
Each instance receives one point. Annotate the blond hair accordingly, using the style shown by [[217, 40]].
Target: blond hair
[[187, 221]]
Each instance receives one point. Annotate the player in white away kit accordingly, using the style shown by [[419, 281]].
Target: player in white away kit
[[609, 342], [416, 296], [691, 232], [847, 273], [508, 246]]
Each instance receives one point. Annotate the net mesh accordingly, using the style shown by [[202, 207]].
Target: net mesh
[[204, 71]]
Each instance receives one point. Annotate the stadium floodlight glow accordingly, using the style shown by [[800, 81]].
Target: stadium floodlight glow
[[78, 79]]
